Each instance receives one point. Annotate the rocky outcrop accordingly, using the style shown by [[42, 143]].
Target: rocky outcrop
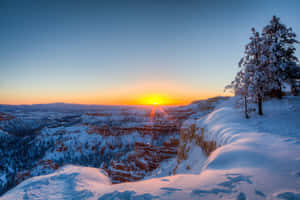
[[190, 134], [141, 161], [156, 129]]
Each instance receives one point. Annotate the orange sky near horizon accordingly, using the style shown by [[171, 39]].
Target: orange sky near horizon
[[148, 99], [137, 94]]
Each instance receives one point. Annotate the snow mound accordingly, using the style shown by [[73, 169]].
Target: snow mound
[[69, 182]]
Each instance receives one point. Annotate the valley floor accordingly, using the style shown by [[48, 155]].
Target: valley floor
[[258, 158]]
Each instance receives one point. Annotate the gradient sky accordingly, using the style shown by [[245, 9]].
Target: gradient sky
[[120, 52]]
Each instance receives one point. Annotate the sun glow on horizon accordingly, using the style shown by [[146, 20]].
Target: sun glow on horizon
[[155, 99], [148, 100]]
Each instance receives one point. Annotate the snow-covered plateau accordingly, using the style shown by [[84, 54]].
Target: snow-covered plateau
[[221, 155]]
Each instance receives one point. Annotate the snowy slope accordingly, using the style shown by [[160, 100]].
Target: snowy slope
[[63, 184], [259, 158]]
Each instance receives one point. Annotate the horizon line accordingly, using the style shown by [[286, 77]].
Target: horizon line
[[82, 104]]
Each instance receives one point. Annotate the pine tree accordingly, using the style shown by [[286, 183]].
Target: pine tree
[[240, 88], [268, 63], [280, 53], [250, 81]]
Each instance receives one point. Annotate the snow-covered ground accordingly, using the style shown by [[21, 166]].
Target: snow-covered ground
[[259, 158]]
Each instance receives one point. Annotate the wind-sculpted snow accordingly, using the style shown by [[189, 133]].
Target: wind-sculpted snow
[[60, 185], [252, 161]]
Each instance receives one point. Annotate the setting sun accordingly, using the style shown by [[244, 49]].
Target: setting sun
[[155, 99]]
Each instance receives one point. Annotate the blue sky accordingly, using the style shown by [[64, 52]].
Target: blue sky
[[115, 52]]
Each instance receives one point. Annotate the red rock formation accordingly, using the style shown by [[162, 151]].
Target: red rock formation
[[5, 116], [20, 176], [48, 164], [144, 159]]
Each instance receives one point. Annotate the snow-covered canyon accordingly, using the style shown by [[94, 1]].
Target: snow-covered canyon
[[256, 158], [128, 142]]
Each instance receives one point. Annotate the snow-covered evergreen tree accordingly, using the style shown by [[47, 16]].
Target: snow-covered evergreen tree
[[268, 63], [254, 63], [240, 88], [278, 41], [250, 81]]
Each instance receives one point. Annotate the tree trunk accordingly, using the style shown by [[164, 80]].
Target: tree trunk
[[279, 95], [246, 110], [259, 104], [294, 90]]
